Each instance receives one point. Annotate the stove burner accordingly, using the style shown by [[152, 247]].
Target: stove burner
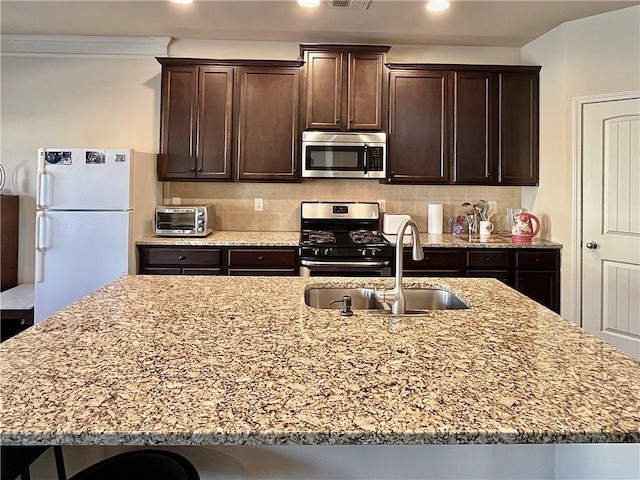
[[364, 236], [321, 236]]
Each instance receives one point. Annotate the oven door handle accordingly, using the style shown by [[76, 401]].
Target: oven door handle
[[320, 263]]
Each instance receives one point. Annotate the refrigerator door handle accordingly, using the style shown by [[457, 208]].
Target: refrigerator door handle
[[43, 190], [41, 244], [41, 187]]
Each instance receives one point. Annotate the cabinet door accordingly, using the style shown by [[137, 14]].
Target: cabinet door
[[324, 90], [541, 286], [177, 159], [518, 149], [267, 144], [215, 123], [474, 139], [419, 127], [365, 91]]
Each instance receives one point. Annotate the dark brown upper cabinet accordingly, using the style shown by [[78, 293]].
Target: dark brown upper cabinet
[[196, 123], [229, 120], [463, 124], [419, 126], [518, 130], [268, 125], [474, 142], [344, 87]]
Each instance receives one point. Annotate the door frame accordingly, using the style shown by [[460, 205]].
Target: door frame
[[578, 107]]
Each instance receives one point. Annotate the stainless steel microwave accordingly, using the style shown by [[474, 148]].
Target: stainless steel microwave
[[344, 154], [183, 221]]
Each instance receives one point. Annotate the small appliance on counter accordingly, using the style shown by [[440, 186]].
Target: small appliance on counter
[[523, 230], [91, 207], [183, 221], [391, 222]]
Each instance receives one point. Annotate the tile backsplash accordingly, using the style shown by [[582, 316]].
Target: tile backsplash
[[234, 202]]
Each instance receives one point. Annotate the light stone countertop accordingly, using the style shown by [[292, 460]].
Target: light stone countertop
[[291, 239], [185, 360]]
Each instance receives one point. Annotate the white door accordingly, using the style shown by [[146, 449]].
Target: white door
[[77, 253], [611, 222], [80, 179]]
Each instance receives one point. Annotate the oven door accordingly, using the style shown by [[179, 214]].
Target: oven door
[[345, 268]]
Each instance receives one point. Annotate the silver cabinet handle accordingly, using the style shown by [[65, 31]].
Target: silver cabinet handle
[[592, 245]]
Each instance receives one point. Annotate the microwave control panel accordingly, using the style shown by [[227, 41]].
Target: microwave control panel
[[374, 158]]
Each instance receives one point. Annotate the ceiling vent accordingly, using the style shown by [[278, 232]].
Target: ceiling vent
[[363, 4]]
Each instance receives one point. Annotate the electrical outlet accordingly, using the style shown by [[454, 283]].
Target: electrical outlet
[[383, 204], [258, 204]]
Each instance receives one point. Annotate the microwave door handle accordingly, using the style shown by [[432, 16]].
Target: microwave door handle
[[366, 158]]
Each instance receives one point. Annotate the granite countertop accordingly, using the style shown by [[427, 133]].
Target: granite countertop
[[291, 239], [185, 360]]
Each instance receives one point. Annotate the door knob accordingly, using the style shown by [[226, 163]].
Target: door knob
[[592, 245]]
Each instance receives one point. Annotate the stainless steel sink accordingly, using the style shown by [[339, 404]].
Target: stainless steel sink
[[418, 300]]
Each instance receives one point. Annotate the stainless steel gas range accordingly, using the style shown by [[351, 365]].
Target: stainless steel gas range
[[343, 238]]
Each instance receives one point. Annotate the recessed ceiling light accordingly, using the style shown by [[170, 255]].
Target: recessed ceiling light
[[184, 2], [437, 5], [309, 3]]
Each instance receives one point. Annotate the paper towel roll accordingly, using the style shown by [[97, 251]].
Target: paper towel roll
[[434, 218]]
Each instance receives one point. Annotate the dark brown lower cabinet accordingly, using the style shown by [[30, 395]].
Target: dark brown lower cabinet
[[170, 260], [263, 261], [533, 272], [537, 275], [162, 260]]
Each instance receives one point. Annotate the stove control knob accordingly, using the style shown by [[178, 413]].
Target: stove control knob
[[327, 251], [364, 252], [316, 251]]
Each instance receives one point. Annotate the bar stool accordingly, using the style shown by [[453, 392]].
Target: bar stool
[[141, 465], [134, 465]]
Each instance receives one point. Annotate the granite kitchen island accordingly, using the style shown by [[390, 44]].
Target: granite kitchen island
[[182, 360]]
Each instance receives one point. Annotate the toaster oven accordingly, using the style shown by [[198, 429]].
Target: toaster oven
[[183, 221]]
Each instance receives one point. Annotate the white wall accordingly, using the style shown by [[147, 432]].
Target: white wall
[[599, 54]]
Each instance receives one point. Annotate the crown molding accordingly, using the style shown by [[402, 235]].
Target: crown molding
[[54, 45]]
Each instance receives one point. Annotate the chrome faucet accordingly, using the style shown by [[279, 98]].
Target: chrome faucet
[[396, 296]]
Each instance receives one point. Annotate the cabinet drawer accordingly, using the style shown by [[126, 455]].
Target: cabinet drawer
[[487, 258], [264, 272], [260, 257], [537, 259], [181, 256], [435, 258]]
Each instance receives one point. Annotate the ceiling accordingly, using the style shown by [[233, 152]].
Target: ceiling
[[502, 23]]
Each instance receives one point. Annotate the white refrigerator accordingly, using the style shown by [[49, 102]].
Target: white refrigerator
[[91, 207]]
